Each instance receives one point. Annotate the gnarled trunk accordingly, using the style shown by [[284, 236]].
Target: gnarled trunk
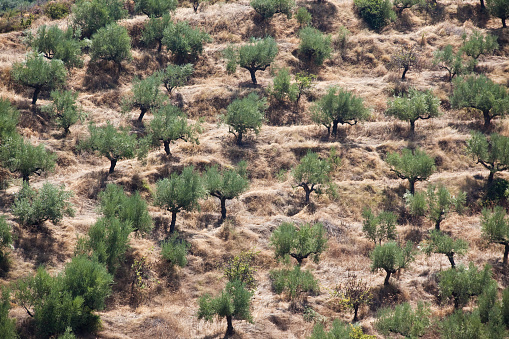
[[166, 147], [37, 90], [239, 139], [173, 220], [387, 277], [506, 253], [487, 119], [112, 165], [252, 71], [450, 256], [229, 330], [142, 113], [223, 208]]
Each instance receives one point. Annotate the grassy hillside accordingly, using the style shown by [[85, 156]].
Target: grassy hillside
[[167, 306]]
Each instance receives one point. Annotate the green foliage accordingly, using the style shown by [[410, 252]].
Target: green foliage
[[64, 109], [5, 242], [461, 283], [338, 330], [391, 257], [406, 58], [267, 8], [67, 300], [39, 73], [505, 307], [340, 40], [55, 43], [452, 62], [56, 10], [480, 93], [478, 44], [439, 242], [170, 124], [67, 334], [379, 227], [313, 173], [21, 156], [436, 203], [234, 301], [88, 279], [185, 42], [402, 4], [32, 207], [241, 268], [299, 243], [403, 320], [303, 17], [414, 165], [495, 228], [293, 282], [91, 15], [176, 76], [492, 153], [314, 46], [499, 9], [282, 89], [226, 184], [468, 325], [7, 325], [145, 95], [413, 106], [376, 13], [111, 43], [8, 119], [257, 55], [110, 142], [245, 114], [339, 106], [155, 8], [129, 209], [154, 29], [487, 303], [107, 242], [180, 192], [174, 250]]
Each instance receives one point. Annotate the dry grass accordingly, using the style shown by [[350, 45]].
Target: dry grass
[[167, 308]]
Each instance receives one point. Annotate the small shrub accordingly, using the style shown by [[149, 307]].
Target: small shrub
[[353, 294], [293, 282], [339, 330], [32, 207], [303, 17], [314, 46], [56, 10], [403, 320], [111, 43], [282, 89], [7, 325], [379, 227], [5, 242], [376, 13], [64, 109], [241, 268], [267, 8], [340, 40], [174, 250]]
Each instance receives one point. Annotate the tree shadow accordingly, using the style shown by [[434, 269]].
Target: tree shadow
[[324, 15], [39, 245], [475, 13], [100, 76]]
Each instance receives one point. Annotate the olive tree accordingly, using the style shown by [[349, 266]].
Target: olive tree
[[295, 282], [414, 165], [226, 184], [110, 142], [6, 240], [499, 9], [185, 42], [154, 29], [480, 93], [313, 173], [243, 115], [174, 76], [64, 109], [91, 15], [7, 325], [402, 319], [379, 227], [414, 106], [111, 43], [314, 45], [492, 152], [406, 58], [180, 192], [170, 124], [391, 257], [234, 301], [352, 294], [436, 203], [257, 55], [478, 44], [155, 8], [440, 242], [267, 8], [495, 228], [39, 73], [452, 62], [55, 43], [33, 207], [145, 95], [128, 209], [174, 250], [19, 155], [299, 242], [339, 106]]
